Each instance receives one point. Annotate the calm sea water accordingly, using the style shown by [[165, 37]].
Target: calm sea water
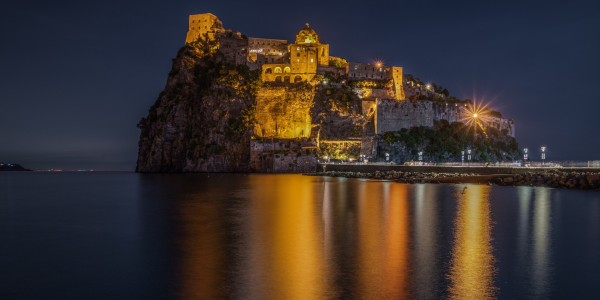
[[132, 236]]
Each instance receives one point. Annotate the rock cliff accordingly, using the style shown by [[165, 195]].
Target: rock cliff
[[202, 120]]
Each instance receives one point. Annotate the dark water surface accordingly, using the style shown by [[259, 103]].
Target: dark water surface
[[132, 236]]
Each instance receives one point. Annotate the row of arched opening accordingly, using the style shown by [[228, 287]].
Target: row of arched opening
[[278, 70], [287, 79]]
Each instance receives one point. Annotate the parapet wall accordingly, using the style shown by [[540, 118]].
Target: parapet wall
[[395, 115], [283, 155]]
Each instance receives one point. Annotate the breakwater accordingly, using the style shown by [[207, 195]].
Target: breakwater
[[572, 178]]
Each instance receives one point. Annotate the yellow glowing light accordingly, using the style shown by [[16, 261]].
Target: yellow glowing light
[[476, 115], [379, 63]]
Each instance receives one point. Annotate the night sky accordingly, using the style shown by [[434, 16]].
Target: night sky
[[77, 76]]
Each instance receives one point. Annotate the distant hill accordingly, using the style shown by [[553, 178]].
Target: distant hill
[[12, 167]]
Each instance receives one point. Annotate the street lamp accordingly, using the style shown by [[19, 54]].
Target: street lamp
[[420, 156], [543, 154], [525, 155], [469, 154], [387, 157], [462, 157]]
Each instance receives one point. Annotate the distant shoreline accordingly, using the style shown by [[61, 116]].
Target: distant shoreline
[[6, 167]]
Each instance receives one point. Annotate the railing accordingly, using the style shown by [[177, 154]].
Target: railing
[[516, 164]]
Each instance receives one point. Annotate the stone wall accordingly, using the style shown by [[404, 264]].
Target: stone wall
[[361, 71], [283, 155], [263, 51], [395, 115], [201, 24]]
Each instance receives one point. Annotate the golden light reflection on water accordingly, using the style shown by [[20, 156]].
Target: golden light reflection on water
[[425, 261], [397, 239], [472, 263], [284, 243], [384, 241], [202, 257]]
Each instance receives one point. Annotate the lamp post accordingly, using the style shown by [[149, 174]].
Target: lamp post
[[469, 154], [387, 157], [525, 156], [462, 157], [420, 157], [543, 154]]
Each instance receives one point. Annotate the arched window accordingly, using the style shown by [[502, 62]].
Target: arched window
[[268, 71], [298, 78], [278, 79], [286, 70], [277, 70]]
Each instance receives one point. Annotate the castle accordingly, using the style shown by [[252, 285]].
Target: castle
[[389, 102], [296, 62]]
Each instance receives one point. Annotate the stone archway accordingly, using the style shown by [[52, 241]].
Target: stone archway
[[277, 78], [297, 79]]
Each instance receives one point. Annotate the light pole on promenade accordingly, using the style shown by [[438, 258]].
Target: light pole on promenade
[[543, 154]]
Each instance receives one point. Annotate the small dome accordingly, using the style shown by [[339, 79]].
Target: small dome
[[307, 35]]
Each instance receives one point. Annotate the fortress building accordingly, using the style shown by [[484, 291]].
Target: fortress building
[[282, 62], [302, 59], [201, 25]]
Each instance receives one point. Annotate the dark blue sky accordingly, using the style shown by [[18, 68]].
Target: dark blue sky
[[76, 76]]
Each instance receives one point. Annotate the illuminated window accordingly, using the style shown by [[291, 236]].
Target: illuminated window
[[278, 70], [312, 60]]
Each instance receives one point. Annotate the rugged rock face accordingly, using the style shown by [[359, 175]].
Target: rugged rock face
[[213, 117], [202, 120], [337, 111], [282, 110]]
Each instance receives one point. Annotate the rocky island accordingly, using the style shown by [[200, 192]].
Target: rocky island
[[12, 167], [234, 103]]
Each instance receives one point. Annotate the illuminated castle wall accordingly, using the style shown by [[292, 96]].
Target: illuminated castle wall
[[292, 63], [284, 112], [301, 60], [202, 24]]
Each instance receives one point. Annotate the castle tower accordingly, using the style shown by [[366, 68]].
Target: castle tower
[[397, 81], [202, 24], [307, 53]]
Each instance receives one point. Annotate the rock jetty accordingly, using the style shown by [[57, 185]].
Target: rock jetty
[[552, 178]]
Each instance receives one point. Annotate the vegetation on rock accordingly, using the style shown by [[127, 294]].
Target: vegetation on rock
[[444, 143], [203, 119]]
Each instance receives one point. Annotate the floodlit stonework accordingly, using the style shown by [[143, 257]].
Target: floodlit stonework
[[237, 103]]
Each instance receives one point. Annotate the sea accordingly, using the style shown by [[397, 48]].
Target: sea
[[102, 235]]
